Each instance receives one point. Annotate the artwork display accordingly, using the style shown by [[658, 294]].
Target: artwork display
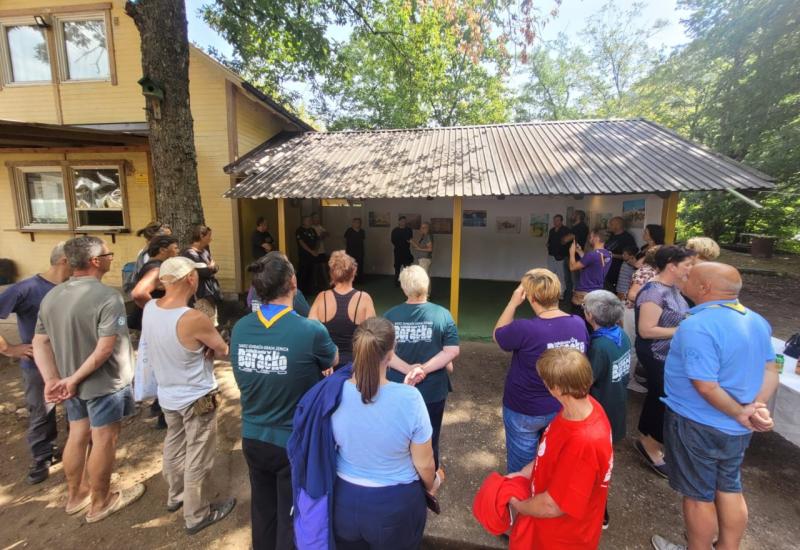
[[509, 224], [633, 212], [474, 218], [600, 220], [539, 225], [442, 226], [570, 212], [414, 221], [380, 219]]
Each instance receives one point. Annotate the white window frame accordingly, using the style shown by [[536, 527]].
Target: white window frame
[[22, 200], [61, 45], [6, 69]]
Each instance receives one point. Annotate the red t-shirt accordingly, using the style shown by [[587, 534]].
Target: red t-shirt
[[574, 465]]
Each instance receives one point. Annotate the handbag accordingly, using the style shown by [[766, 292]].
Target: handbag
[[792, 348]]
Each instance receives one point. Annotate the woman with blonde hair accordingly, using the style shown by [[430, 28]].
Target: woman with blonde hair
[[383, 450], [707, 249], [427, 343], [528, 407], [342, 308]]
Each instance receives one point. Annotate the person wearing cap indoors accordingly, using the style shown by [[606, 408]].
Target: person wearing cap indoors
[[181, 343]]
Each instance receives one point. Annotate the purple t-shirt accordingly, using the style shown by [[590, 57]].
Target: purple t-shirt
[[528, 338], [595, 268], [23, 298]]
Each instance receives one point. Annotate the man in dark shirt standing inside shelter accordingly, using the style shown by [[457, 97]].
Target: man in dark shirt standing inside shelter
[[617, 242], [402, 248], [354, 245], [261, 241], [307, 240], [578, 232], [557, 251]]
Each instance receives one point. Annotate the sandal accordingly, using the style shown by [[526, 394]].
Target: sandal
[[79, 507], [126, 497]]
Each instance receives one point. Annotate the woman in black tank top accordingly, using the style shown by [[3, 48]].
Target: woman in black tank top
[[333, 307]]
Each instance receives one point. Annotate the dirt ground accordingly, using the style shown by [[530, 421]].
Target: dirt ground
[[640, 503]]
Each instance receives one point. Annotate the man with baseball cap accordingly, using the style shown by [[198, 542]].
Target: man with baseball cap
[[187, 391]]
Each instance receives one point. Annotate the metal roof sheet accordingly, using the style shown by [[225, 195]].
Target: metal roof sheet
[[536, 158]]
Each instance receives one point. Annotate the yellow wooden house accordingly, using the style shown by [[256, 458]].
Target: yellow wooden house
[[74, 157]]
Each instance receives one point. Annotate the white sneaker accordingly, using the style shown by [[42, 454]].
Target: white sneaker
[[633, 385], [660, 543]]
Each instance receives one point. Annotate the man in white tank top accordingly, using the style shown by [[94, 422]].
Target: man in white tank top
[[181, 343]]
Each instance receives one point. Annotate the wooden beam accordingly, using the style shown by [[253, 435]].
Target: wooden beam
[[236, 206], [104, 149], [455, 263], [283, 246], [77, 8], [669, 215]]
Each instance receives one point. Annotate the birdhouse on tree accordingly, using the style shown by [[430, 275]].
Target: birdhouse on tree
[[153, 91]]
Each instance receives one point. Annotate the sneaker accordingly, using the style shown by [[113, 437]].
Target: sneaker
[[161, 424], [218, 512], [660, 543], [605, 520], [175, 507], [39, 471]]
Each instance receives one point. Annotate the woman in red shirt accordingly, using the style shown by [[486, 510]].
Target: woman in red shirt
[[572, 469]]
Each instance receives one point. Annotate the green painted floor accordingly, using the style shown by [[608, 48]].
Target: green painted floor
[[481, 301]]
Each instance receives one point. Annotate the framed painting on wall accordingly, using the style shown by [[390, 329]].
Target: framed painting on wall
[[509, 224], [539, 225], [633, 212], [380, 219], [412, 220], [474, 218], [442, 226]]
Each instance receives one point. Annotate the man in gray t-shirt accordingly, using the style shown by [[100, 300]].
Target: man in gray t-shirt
[[83, 352]]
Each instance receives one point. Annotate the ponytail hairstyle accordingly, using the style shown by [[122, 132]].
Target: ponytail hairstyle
[[372, 341]]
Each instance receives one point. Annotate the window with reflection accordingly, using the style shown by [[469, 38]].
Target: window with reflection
[[85, 49], [28, 58]]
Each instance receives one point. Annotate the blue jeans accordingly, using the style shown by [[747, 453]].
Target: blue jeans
[[103, 410], [522, 437]]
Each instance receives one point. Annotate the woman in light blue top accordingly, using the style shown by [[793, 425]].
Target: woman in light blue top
[[384, 460]]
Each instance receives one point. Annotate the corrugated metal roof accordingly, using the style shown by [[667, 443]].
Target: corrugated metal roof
[[537, 158]]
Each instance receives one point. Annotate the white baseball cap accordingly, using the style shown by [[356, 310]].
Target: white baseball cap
[[176, 268]]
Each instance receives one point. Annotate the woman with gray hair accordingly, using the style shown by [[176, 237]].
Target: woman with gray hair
[[426, 344], [610, 357]]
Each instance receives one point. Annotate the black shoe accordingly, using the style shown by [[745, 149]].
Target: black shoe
[[605, 520], [175, 507], [155, 409], [218, 512], [55, 458], [38, 472], [161, 424]]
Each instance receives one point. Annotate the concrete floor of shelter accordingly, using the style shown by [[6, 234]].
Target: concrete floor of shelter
[[481, 301]]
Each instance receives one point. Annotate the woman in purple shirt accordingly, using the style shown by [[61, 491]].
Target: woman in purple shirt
[[528, 406], [593, 267]]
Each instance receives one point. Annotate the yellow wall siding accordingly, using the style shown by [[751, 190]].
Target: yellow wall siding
[[254, 124], [33, 257], [84, 102]]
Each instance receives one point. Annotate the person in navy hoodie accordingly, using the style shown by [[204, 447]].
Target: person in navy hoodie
[[361, 454]]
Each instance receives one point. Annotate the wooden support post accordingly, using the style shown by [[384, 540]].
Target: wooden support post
[[455, 267], [283, 246], [669, 214]]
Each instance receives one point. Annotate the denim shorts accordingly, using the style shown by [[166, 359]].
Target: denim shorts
[[102, 410], [522, 437], [702, 460]]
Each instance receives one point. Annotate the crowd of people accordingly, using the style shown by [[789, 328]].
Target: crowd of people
[[342, 410]]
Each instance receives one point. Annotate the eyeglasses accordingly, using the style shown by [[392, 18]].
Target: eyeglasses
[[108, 254]]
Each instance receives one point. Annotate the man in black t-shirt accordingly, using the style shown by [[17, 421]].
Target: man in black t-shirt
[[578, 232], [616, 243], [307, 240], [402, 249], [261, 241], [354, 245], [557, 250]]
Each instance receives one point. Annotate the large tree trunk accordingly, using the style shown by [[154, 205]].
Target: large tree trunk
[[165, 60]]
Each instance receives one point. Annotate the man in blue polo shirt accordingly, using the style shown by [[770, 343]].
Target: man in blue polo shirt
[[719, 373]]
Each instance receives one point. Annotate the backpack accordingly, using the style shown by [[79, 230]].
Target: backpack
[[128, 277]]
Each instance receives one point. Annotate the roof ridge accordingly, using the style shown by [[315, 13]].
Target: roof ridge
[[474, 126]]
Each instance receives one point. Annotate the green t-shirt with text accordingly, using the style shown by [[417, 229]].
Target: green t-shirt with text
[[274, 367], [421, 331], [611, 365]]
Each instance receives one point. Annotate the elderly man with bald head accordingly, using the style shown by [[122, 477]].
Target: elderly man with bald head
[[718, 376]]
